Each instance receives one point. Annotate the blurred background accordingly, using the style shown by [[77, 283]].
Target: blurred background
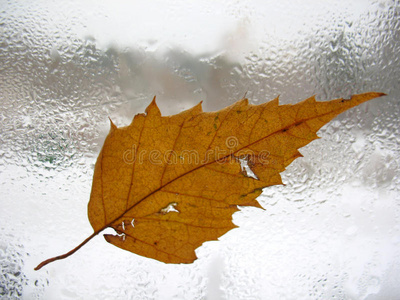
[[332, 232]]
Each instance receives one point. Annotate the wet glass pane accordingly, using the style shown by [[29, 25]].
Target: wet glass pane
[[332, 232]]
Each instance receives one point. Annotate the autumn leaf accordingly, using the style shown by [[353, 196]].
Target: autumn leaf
[[168, 184]]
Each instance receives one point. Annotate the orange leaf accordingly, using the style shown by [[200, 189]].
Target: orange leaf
[[168, 184]]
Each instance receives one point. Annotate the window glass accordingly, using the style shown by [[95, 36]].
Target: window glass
[[332, 231]]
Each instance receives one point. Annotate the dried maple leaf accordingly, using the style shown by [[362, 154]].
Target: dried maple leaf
[[168, 184]]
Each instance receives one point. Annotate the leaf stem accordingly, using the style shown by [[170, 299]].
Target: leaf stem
[[47, 261]]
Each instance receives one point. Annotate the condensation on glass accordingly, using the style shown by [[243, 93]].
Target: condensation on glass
[[332, 232]]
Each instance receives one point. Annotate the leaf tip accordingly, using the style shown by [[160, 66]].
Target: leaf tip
[[360, 98], [153, 109], [311, 99], [241, 104], [199, 107], [275, 101], [112, 125]]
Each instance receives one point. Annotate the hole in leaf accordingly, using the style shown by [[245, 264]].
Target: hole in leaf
[[244, 165], [120, 234], [169, 208]]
